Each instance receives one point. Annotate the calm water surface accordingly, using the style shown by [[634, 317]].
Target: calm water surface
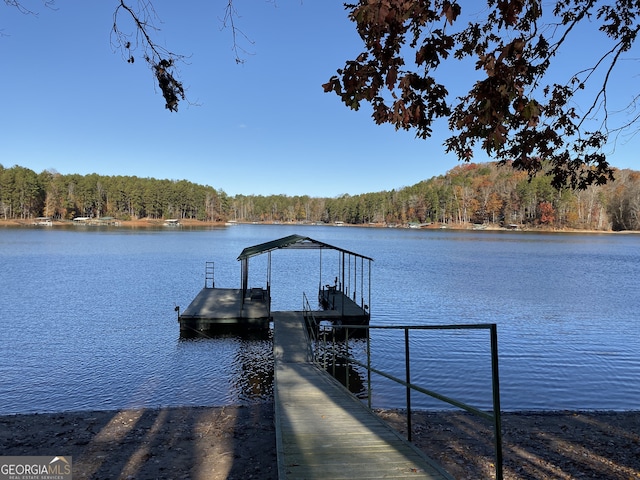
[[89, 323]]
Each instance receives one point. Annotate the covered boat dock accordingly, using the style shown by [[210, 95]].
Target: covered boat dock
[[345, 300]]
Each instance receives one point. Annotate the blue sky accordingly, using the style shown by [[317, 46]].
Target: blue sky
[[70, 102]]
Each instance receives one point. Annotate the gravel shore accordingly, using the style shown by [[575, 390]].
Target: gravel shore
[[238, 442]]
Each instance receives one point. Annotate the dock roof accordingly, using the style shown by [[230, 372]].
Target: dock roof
[[292, 241]]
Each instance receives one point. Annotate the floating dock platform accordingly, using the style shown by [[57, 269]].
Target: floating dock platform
[[226, 309]]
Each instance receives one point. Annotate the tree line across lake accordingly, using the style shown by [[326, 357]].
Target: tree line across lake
[[471, 193]]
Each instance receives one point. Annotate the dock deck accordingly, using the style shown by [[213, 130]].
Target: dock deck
[[215, 307], [338, 306], [322, 431]]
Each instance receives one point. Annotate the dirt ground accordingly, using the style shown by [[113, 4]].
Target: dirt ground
[[238, 442], [169, 443], [536, 446]]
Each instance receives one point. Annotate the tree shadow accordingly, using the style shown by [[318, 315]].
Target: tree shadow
[[540, 445], [186, 442]]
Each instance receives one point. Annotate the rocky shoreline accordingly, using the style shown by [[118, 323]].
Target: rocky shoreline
[[238, 442]]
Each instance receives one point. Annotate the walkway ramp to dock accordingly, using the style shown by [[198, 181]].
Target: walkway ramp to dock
[[324, 432]]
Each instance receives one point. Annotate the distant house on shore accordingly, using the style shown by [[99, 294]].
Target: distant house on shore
[[43, 221]]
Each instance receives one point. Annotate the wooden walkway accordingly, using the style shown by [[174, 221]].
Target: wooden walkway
[[322, 431]]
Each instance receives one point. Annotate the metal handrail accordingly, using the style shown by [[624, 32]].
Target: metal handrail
[[312, 326], [308, 316], [493, 417]]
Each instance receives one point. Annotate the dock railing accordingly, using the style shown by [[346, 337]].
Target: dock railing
[[312, 327], [330, 344]]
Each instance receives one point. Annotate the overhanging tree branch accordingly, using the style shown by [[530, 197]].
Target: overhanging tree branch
[[230, 14], [22, 9], [161, 60], [512, 111]]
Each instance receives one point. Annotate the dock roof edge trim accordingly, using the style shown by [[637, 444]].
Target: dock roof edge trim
[[292, 241]]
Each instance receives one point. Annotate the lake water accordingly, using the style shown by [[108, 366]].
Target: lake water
[[88, 318]]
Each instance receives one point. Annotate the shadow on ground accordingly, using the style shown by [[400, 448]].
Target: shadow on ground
[[536, 446], [233, 442]]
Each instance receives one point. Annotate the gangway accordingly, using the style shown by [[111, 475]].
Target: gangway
[[322, 431]]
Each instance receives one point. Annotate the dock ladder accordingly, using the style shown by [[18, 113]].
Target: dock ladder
[[209, 282]]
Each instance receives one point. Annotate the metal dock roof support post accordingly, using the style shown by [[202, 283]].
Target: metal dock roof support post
[[349, 276], [244, 268], [362, 282], [320, 276], [269, 272], [269, 283], [342, 311], [369, 304]]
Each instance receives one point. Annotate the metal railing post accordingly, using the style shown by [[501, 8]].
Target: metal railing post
[[333, 351], [324, 349], [407, 367], [369, 394], [495, 382], [346, 358]]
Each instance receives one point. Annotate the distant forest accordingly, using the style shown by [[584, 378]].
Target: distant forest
[[468, 194]]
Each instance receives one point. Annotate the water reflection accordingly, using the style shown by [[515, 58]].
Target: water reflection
[[349, 377], [226, 331], [249, 372], [331, 354], [253, 370]]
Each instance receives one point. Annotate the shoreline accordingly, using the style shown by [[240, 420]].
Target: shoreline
[[233, 442], [190, 223]]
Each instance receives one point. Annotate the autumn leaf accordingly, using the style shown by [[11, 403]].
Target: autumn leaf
[[450, 12], [392, 76]]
